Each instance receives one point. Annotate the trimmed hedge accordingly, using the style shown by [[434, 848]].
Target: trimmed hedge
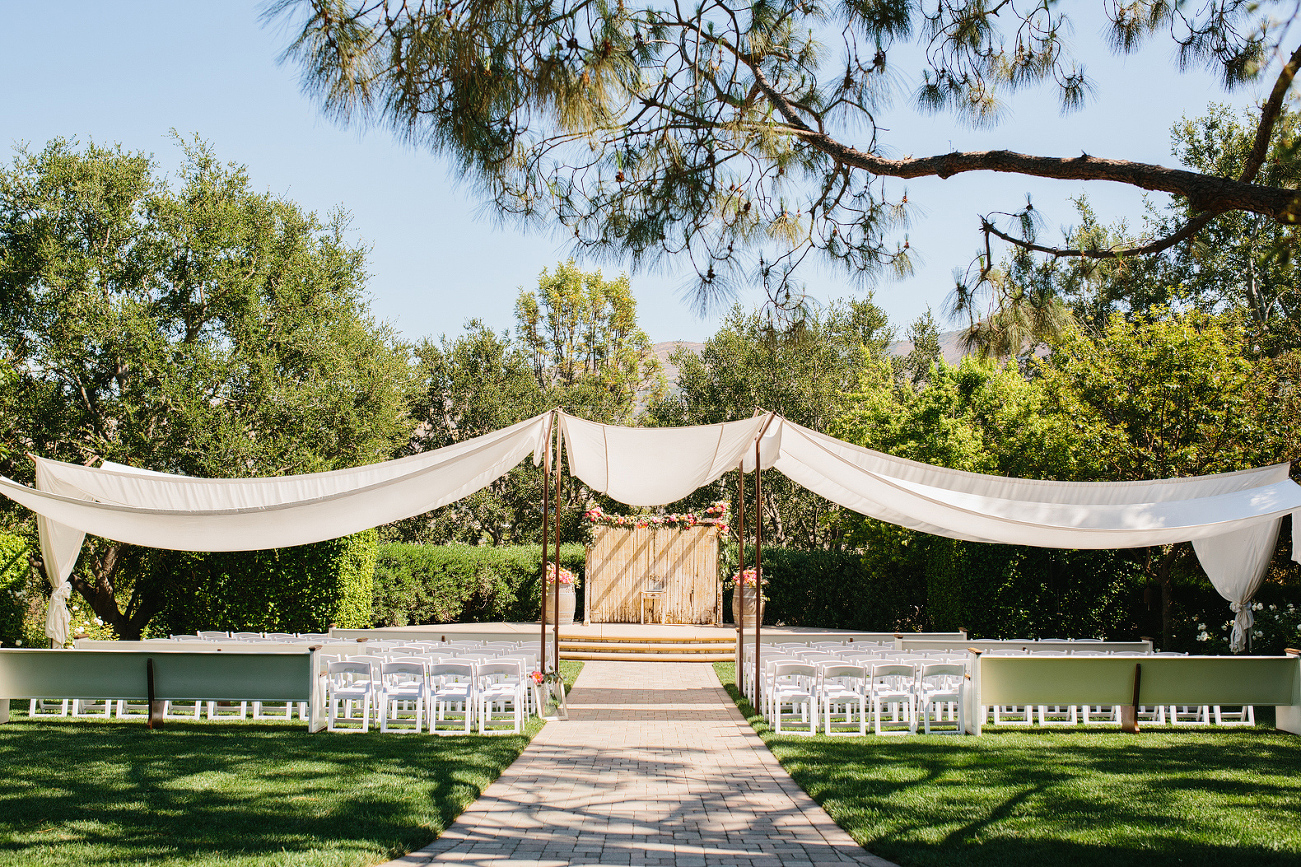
[[300, 589], [417, 584], [925, 583]]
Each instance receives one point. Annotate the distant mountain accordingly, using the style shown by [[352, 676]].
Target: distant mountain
[[950, 347], [664, 350]]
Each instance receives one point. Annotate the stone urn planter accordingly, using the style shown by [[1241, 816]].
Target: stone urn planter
[[568, 594], [749, 606]]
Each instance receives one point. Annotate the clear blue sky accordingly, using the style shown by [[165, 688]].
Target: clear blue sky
[[129, 71]]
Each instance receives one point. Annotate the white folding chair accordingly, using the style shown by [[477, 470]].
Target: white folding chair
[[350, 682], [214, 636], [245, 636], [794, 685], [892, 687], [92, 707], [501, 683], [1243, 716], [227, 709], [404, 696], [941, 684], [840, 687], [452, 693], [41, 707]]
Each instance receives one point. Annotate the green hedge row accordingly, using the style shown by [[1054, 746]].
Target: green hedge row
[[994, 591], [463, 583], [300, 589]]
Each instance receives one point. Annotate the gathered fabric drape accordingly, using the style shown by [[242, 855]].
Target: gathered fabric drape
[[182, 513], [1232, 519]]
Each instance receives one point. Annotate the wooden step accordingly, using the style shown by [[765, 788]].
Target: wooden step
[[629, 647], [728, 639], [592, 656]]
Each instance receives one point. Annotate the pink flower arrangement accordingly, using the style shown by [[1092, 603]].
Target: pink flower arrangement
[[748, 578], [565, 576]]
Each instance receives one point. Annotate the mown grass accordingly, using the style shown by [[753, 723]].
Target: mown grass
[[1034, 798], [86, 792]]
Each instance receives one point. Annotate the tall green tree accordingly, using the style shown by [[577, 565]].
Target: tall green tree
[[749, 136], [193, 327], [1160, 395]]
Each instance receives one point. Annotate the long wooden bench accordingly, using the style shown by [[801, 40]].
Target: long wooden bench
[[1133, 681], [157, 674]]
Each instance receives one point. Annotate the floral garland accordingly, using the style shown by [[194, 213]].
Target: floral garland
[[715, 516]]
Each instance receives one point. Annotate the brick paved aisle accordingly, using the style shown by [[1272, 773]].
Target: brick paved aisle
[[655, 766]]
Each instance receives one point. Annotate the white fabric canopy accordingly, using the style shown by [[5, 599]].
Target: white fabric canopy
[[657, 465], [1232, 518], [189, 514]]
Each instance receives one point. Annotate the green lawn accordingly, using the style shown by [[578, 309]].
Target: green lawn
[[1082, 798], [85, 792]]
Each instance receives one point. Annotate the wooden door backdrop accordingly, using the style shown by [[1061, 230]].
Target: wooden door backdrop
[[620, 559]]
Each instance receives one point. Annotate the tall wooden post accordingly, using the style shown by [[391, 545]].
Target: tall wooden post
[[758, 568], [546, 532], [556, 591], [738, 586]]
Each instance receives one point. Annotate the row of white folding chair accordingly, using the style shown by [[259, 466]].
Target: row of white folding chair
[[905, 690], [405, 691]]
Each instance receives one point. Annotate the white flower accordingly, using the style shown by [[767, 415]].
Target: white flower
[[18, 643], [1258, 606], [1258, 633], [1202, 636], [99, 622], [1273, 608]]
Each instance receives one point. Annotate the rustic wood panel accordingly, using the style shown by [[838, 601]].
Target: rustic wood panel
[[620, 559]]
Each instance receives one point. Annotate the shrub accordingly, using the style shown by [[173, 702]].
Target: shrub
[[463, 583], [15, 576], [300, 589]]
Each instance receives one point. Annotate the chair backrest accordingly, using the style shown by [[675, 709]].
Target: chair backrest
[[348, 672], [652, 584], [213, 634], [421, 661], [244, 636], [794, 669], [500, 668], [449, 668], [893, 669], [839, 670], [282, 636], [943, 669], [400, 671]]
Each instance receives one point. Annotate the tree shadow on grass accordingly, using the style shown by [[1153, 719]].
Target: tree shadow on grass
[[1080, 797], [82, 792]]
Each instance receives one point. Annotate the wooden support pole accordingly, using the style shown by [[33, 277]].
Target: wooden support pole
[[758, 568], [556, 590], [546, 514], [738, 586], [156, 715], [1129, 713]]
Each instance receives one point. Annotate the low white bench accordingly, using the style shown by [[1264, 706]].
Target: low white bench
[[1111, 680], [157, 674]]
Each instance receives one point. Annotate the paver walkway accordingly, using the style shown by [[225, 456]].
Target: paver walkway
[[655, 766]]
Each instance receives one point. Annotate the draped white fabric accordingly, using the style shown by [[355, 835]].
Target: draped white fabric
[[189, 514], [653, 466], [1232, 518], [1236, 564]]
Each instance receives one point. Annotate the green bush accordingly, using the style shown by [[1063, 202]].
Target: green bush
[[15, 578], [300, 589], [463, 583], [911, 582]]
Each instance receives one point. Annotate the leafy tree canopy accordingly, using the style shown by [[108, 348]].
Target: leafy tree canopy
[[195, 327], [745, 136]]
